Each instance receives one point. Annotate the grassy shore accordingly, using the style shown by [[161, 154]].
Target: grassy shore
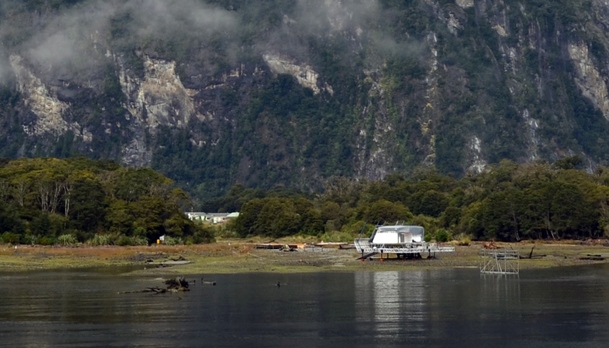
[[238, 256]]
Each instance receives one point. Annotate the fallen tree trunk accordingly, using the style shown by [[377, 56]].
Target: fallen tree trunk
[[172, 285]]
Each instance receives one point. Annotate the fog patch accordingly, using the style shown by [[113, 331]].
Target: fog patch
[[4, 67], [160, 18], [75, 39], [333, 16]]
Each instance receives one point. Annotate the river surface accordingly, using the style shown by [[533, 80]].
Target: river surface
[[566, 307]]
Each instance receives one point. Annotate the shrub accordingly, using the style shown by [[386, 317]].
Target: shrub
[[99, 239], [221, 234], [222, 231], [464, 240], [32, 239], [336, 237], [173, 240], [46, 241], [123, 240], [442, 235], [205, 234], [358, 228], [139, 240], [66, 240], [139, 231], [9, 237], [80, 235]]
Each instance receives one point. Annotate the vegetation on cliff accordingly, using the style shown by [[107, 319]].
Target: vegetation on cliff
[[392, 85]]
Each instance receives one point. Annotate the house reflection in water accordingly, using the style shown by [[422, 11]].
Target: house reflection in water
[[392, 302]]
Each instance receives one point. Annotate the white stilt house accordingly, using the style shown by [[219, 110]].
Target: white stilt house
[[405, 241], [398, 234]]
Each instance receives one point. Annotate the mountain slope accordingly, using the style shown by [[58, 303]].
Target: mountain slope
[[214, 93]]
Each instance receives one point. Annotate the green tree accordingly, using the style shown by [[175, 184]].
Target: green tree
[[88, 205], [246, 222], [119, 218], [450, 217], [503, 214], [312, 222], [431, 203], [571, 162], [277, 218], [383, 211]]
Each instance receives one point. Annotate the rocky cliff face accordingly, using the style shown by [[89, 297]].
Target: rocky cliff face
[[292, 93]]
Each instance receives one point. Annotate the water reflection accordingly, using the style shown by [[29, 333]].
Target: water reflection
[[502, 288], [393, 301], [456, 308]]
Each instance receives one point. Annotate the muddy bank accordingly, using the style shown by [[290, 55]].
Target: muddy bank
[[239, 257]]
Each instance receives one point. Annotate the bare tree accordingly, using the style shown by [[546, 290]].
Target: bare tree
[[20, 188], [67, 191]]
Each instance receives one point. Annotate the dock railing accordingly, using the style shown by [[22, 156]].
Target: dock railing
[[364, 246]]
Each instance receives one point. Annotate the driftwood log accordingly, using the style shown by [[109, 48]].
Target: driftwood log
[[177, 283], [171, 285]]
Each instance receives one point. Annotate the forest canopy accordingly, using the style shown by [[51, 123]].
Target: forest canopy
[[78, 200], [508, 202], [66, 201]]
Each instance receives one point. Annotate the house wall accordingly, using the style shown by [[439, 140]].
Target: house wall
[[391, 234]]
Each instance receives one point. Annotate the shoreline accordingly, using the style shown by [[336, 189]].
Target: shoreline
[[242, 257]]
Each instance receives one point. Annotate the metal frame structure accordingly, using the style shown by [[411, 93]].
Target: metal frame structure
[[500, 261], [368, 249]]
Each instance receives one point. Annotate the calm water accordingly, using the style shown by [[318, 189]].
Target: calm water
[[453, 308]]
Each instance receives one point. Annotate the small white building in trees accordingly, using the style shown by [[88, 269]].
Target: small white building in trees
[[214, 218]]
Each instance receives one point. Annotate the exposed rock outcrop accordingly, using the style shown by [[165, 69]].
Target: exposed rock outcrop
[[304, 74], [44, 104], [589, 79]]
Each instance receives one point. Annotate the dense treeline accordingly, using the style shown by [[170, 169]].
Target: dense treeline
[[49, 201], [509, 202], [53, 201]]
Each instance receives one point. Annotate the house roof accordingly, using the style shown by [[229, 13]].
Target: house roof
[[213, 215]]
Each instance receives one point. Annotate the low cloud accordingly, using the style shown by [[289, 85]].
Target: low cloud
[[329, 15], [346, 21], [54, 50], [357, 25], [3, 66], [177, 17], [74, 39]]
